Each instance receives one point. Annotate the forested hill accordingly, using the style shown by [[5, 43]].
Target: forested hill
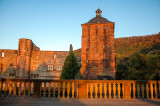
[[128, 45]]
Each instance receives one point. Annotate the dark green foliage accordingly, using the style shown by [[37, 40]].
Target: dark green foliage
[[139, 67], [147, 50], [71, 67]]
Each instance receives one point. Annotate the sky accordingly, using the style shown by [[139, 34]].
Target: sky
[[55, 24]]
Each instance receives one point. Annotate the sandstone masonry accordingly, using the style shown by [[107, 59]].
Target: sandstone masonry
[[98, 55], [29, 62]]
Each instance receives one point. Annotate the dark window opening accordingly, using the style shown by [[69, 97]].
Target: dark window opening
[[105, 27], [2, 67], [96, 30], [22, 58], [42, 55], [88, 30]]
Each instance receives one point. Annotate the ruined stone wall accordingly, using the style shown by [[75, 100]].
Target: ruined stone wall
[[29, 61], [98, 55], [47, 64], [8, 60]]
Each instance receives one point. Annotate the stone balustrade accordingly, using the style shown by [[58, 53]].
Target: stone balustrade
[[117, 89], [82, 89]]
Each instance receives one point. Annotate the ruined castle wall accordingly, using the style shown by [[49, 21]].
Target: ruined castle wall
[[7, 58], [47, 63], [29, 60]]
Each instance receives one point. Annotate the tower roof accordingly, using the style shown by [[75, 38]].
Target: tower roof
[[98, 18]]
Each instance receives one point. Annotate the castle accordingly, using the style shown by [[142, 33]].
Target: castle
[[29, 62], [97, 57]]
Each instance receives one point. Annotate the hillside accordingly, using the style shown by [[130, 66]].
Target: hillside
[[126, 46]]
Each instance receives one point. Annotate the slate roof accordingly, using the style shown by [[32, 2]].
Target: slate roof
[[98, 18]]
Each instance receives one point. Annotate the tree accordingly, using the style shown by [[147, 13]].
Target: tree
[[136, 67], [71, 66]]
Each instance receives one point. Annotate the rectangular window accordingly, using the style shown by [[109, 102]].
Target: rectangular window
[[2, 54], [87, 39], [58, 67], [42, 56], [1, 67], [39, 68], [50, 67], [105, 27], [89, 30], [96, 30], [54, 56], [22, 58]]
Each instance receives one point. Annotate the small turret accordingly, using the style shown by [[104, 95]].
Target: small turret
[[98, 13]]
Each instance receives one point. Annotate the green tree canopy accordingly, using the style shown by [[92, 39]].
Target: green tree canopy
[[137, 67], [71, 67]]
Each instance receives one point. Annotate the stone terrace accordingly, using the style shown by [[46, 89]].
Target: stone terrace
[[21, 101]]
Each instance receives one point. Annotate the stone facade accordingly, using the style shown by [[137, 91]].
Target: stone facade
[[29, 62], [98, 55]]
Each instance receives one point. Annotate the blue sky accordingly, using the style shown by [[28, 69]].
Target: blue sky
[[55, 24]]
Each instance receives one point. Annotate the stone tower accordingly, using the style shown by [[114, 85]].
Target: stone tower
[[23, 58], [25, 48], [98, 55]]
